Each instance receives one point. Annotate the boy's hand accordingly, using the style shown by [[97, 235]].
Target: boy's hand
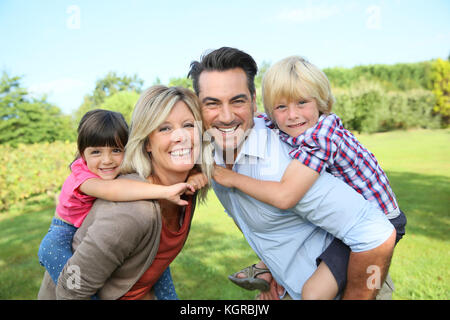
[[224, 176], [197, 180], [176, 190]]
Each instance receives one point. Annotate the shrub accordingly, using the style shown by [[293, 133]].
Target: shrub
[[33, 169]]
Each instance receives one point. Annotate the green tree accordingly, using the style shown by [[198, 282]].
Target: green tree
[[181, 82], [440, 77], [123, 102], [24, 119], [106, 87]]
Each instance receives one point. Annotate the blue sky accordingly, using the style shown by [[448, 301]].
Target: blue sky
[[62, 47]]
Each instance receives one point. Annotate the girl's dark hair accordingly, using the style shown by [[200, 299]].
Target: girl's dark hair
[[100, 128], [224, 59]]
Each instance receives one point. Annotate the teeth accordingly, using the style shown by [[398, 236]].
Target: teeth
[[181, 152], [227, 130]]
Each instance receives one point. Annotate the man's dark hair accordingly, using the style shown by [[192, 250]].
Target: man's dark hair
[[224, 59]]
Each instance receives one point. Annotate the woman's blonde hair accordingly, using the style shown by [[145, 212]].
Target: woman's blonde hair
[[295, 78], [151, 110]]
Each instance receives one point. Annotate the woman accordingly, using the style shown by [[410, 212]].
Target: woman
[[122, 248]]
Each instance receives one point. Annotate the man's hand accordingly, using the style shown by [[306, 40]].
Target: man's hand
[[276, 290]]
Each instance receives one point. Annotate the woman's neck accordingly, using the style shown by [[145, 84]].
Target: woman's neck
[[168, 180]]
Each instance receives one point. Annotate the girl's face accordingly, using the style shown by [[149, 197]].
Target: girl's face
[[104, 161], [295, 117], [174, 145]]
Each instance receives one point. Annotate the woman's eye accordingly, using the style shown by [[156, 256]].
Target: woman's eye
[[302, 102], [163, 129], [189, 125]]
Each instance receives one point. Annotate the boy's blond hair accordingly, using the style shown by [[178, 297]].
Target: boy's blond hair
[[295, 78]]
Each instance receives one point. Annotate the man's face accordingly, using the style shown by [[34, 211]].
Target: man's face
[[227, 107]]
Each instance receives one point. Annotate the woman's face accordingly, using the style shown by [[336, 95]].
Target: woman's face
[[174, 145]]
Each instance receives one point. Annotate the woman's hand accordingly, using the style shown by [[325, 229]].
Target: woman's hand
[[197, 180], [224, 176], [176, 190]]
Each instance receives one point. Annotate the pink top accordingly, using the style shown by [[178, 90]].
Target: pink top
[[74, 205]]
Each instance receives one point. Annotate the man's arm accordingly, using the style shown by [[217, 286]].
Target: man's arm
[[363, 267]]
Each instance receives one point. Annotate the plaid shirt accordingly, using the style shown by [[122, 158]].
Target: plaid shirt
[[329, 146]]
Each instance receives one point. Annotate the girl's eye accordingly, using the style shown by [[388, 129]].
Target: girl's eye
[[95, 152], [117, 150]]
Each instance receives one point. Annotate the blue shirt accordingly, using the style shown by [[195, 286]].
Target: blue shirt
[[289, 241]]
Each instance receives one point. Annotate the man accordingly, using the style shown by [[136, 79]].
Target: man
[[287, 242]]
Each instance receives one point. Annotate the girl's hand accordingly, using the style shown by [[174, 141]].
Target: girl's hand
[[197, 180], [224, 176], [176, 190]]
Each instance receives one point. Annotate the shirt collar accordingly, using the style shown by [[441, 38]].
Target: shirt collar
[[253, 146]]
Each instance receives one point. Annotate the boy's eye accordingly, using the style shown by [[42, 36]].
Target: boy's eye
[[280, 107]]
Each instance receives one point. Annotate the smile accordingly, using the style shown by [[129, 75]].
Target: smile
[[228, 130], [106, 170], [297, 125], [181, 153]]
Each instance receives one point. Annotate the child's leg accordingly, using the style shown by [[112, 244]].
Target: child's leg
[[321, 285], [164, 288], [56, 247]]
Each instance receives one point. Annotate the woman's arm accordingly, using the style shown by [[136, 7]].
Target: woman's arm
[[132, 190], [296, 181]]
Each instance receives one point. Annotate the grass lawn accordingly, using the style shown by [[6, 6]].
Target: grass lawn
[[416, 163]]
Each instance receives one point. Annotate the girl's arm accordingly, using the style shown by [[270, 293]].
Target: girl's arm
[[296, 181], [132, 190]]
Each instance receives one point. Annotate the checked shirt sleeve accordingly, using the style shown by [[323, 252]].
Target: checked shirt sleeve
[[318, 147], [269, 124]]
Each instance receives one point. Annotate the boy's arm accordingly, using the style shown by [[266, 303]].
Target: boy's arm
[[296, 181], [132, 190]]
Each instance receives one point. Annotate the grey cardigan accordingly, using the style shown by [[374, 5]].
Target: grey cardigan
[[114, 246]]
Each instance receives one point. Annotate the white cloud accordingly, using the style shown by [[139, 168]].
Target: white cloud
[[308, 14]]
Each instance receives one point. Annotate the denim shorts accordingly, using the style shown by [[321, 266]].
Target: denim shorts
[[337, 254], [56, 247]]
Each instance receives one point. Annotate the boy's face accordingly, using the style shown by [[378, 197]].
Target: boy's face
[[295, 117]]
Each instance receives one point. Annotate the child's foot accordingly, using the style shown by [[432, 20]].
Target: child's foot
[[255, 277]]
